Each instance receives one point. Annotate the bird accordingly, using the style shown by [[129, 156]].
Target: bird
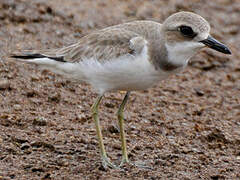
[[127, 57]]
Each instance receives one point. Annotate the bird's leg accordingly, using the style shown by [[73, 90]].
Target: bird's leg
[[121, 126], [105, 160], [122, 135]]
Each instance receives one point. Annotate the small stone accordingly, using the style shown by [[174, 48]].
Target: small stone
[[34, 78], [40, 121], [109, 105], [231, 77], [38, 169], [60, 33], [56, 97], [4, 84], [199, 92], [113, 129], [25, 146], [117, 146], [31, 93], [83, 117], [17, 107]]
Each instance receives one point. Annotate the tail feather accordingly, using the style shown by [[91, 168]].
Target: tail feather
[[55, 64], [37, 56]]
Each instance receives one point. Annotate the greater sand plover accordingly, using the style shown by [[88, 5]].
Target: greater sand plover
[[127, 57]]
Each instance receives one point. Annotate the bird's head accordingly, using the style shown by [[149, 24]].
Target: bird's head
[[186, 33]]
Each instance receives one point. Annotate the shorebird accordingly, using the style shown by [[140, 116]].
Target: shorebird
[[128, 57]]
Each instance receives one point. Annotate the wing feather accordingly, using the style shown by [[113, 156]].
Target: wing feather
[[103, 45]]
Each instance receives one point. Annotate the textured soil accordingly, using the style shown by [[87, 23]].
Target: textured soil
[[187, 127]]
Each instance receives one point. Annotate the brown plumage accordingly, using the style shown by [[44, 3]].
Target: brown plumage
[[108, 43]]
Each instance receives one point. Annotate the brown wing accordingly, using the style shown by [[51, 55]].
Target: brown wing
[[103, 45]]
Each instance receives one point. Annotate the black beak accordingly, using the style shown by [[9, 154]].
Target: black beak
[[214, 44]]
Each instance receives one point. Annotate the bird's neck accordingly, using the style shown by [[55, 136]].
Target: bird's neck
[[178, 55], [164, 59]]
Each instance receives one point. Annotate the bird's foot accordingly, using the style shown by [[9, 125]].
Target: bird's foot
[[124, 161], [106, 163], [138, 165]]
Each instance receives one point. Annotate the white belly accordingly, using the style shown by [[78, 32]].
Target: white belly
[[126, 73]]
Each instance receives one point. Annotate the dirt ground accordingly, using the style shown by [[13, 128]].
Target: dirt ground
[[187, 127]]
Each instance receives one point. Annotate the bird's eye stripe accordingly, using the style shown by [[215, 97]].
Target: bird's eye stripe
[[187, 31]]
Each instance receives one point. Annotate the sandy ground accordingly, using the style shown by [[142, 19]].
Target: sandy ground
[[187, 127]]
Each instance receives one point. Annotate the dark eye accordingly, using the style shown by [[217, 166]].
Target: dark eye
[[187, 31]]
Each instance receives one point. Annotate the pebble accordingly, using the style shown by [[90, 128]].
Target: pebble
[[109, 105], [40, 121], [34, 78], [25, 146], [17, 107], [4, 84], [82, 117], [113, 129], [54, 97], [199, 92]]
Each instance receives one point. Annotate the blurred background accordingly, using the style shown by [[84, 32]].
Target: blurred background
[[187, 127]]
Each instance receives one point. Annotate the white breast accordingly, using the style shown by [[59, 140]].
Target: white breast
[[125, 73]]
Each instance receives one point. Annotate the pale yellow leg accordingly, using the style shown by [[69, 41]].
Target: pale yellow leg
[[105, 160], [121, 126], [122, 135]]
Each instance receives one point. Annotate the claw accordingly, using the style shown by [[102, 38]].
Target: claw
[[124, 161], [108, 164]]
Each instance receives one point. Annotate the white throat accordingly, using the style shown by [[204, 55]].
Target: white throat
[[180, 53]]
